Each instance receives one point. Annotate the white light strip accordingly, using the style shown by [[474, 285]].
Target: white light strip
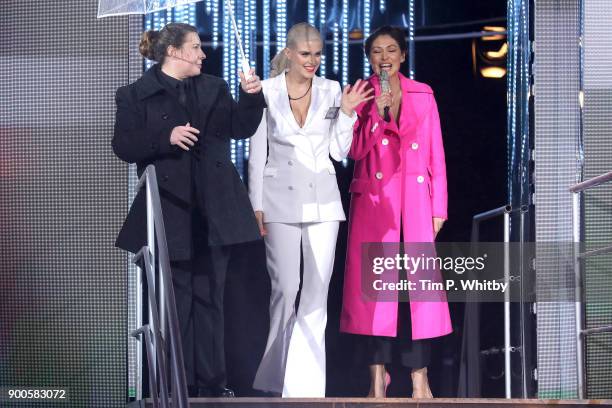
[[323, 30], [266, 39], [336, 48], [345, 42], [411, 35], [311, 12], [367, 15], [281, 24], [253, 29], [382, 6], [215, 24]]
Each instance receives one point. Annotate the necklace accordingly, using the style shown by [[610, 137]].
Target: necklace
[[295, 99]]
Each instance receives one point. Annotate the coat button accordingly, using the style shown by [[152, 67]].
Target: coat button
[[420, 179], [415, 146], [290, 162], [379, 175], [218, 164], [164, 178], [375, 127], [311, 185], [385, 141], [290, 187], [165, 116]]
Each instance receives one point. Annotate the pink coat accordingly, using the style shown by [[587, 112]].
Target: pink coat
[[400, 174]]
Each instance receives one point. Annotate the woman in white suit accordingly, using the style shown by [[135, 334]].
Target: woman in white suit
[[294, 192]]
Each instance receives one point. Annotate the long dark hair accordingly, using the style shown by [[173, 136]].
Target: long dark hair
[[153, 44]]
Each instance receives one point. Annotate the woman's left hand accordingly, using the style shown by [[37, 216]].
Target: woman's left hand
[[251, 85], [352, 96], [437, 225]]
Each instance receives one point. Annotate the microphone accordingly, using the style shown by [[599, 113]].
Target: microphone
[[384, 86], [183, 59]]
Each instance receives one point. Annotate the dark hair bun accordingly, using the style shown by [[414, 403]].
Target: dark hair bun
[[147, 44]]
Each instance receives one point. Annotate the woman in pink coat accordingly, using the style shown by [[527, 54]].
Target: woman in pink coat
[[398, 194]]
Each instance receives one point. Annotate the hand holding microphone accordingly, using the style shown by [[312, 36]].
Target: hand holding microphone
[[385, 100]]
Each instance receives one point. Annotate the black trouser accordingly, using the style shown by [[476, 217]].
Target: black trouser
[[398, 350], [401, 349], [199, 285]]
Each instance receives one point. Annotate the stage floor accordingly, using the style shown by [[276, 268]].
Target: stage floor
[[388, 403]]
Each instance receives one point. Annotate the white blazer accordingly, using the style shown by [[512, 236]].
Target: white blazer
[[291, 176]]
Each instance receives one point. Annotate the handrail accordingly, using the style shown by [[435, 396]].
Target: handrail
[[592, 182], [505, 210], [179, 383], [595, 252], [580, 332], [144, 258]]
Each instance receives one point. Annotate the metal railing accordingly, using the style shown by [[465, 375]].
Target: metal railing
[[581, 333], [506, 211], [155, 334]]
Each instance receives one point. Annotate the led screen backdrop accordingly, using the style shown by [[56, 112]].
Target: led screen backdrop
[[597, 147], [557, 167], [63, 303]]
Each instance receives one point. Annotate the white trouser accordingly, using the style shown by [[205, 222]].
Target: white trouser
[[298, 338]]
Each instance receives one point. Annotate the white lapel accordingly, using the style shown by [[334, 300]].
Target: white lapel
[[318, 95], [280, 100]]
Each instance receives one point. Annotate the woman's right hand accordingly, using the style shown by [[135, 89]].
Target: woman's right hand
[[259, 216], [184, 136], [382, 101]]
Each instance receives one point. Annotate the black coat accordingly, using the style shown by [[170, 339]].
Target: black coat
[[146, 115]]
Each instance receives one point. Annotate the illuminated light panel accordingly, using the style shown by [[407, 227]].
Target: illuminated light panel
[[493, 72], [382, 6]]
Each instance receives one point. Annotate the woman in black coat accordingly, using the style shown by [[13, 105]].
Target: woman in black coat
[[181, 121]]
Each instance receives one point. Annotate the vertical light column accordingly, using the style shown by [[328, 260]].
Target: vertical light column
[[382, 6], [411, 50], [266, 38], [323, 30], [215, 23], [336, 48], [281, 24], [367, 15], [345, 42], [311, 12]]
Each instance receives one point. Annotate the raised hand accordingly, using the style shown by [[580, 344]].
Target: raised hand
[[251, 85], [352, 96], [184, 136]]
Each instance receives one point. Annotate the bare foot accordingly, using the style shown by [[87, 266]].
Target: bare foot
[[420, 384], [379, 380]]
